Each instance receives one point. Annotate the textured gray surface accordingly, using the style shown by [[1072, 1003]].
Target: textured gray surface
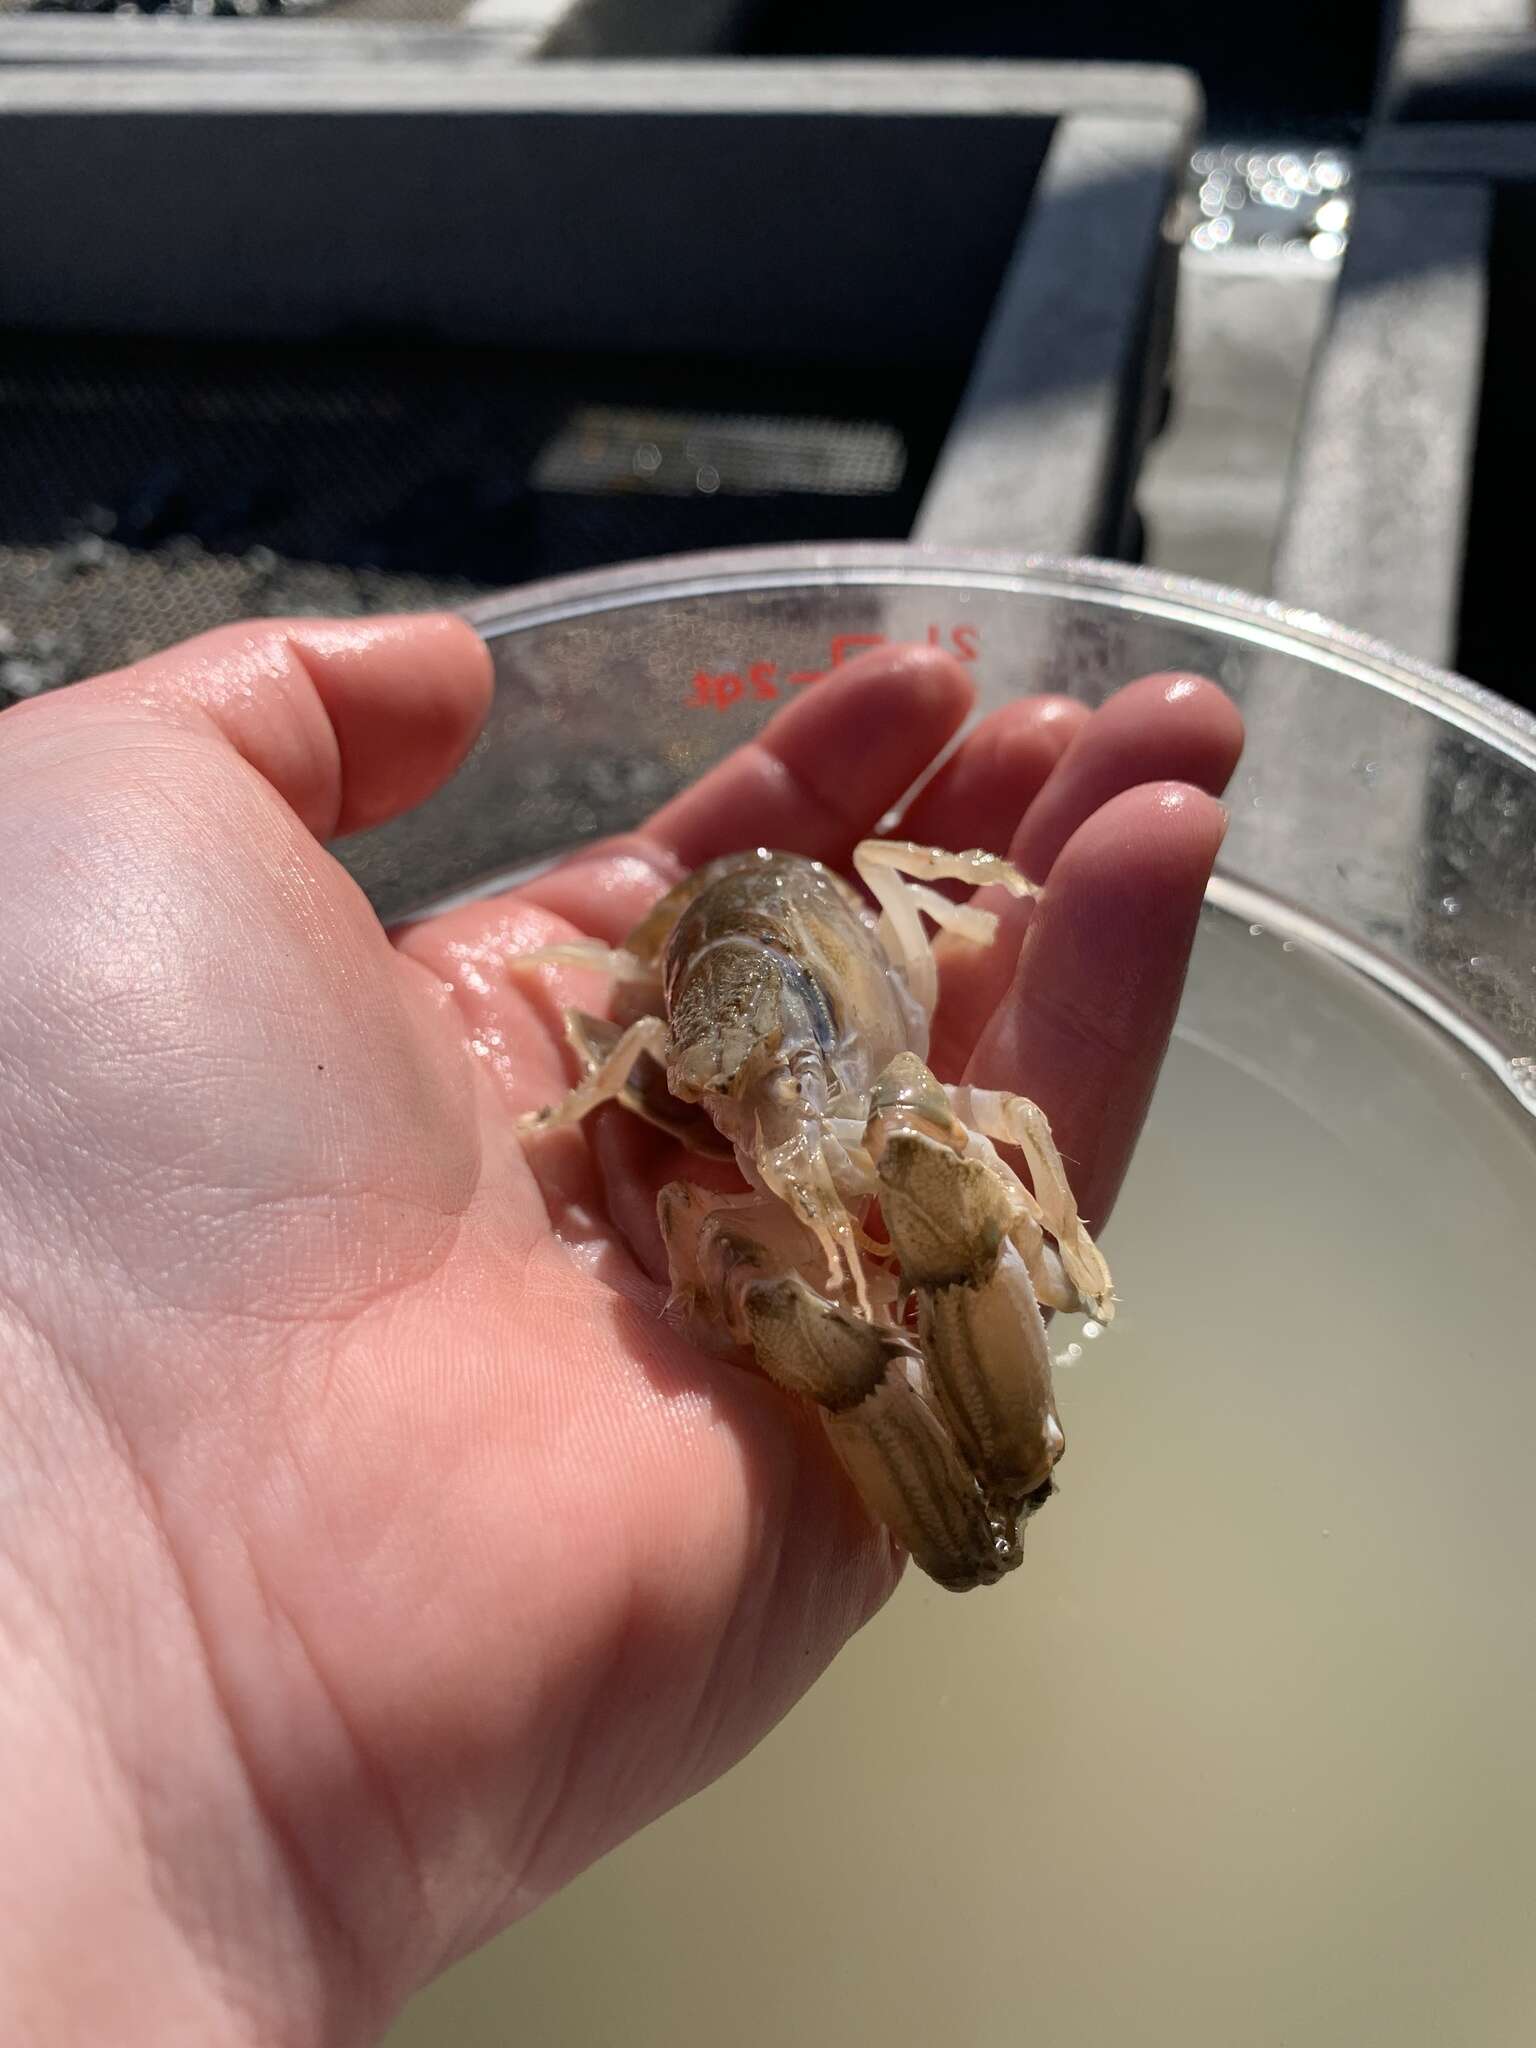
[[555, 28], [124, 27], [151, 489], [508, 31], [73, 611], [1375, 527], [1052, 421]]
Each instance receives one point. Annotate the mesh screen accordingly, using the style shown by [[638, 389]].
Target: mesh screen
[[427, 11], [150, 490]]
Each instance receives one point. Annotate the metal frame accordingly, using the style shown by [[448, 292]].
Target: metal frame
[[405, 181], [1376, 521], [1461, 60]]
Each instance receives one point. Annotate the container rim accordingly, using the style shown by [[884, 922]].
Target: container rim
[[1159, 593]]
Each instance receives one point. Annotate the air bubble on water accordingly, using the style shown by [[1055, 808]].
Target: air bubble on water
[[1367, 771], [1478, 962], [1255, 931], [1070, 1356], [1287, 945], [1092, 1329], [1450, 905], [1522, 1071]]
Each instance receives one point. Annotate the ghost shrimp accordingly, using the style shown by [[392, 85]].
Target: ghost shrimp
[[885, 1261]]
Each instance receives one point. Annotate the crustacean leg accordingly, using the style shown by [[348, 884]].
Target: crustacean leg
[[1014, 1120], [895, 871], [645, 1093], [1047, 1273], [607, 1080], [742, 1267], [798, 1172], [614, 961]]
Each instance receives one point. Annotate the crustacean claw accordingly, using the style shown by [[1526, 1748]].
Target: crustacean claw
[[982, 1333], [867, 1381], [743, 1266]]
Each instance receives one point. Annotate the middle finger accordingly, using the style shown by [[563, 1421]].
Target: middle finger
[[815, 780], [1161, 728], [985, 787]]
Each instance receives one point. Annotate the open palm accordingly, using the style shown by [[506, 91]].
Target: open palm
[[413, 1557]]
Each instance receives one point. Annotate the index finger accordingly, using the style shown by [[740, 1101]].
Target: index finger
[[815, 781], [828, 766]]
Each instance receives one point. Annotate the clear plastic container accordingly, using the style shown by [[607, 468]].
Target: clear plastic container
[[1243, 1754]]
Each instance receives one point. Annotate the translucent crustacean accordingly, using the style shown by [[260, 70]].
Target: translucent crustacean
[[761, 1003]]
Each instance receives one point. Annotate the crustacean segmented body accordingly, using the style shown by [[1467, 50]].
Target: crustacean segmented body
[[768, 1009]]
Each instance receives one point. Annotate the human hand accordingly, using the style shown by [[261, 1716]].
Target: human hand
[[373, 1556]]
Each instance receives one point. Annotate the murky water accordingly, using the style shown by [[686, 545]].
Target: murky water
[[1247, 1752]]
